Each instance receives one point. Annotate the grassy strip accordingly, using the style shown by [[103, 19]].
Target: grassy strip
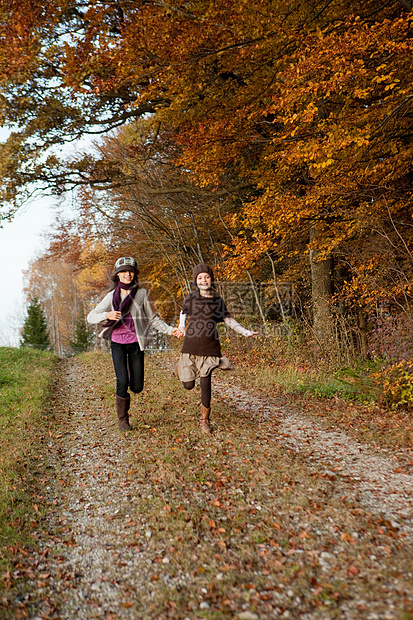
[[347, 397], [235, 523], [299, 370], [25, 377], [351, 384], [367, 421]]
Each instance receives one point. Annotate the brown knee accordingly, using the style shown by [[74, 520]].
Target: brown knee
[[189, 385]]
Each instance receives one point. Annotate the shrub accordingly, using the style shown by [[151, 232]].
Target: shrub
[[397, 384], [391, 339]]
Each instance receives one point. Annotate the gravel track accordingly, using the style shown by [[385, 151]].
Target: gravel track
[[377, 483], [89, 563]]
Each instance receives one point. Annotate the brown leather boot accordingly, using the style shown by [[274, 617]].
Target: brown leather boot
[[122, 408], [204, 421]]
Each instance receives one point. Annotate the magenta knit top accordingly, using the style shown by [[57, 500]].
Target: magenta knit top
[[125, 333]]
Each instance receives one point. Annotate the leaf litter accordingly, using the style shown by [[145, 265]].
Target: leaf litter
[[270, 517]]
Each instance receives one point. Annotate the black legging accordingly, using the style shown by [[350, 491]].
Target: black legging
[[205, 383], [128, 361]]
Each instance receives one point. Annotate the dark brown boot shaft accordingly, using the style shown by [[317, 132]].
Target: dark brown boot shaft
[[122, 408]]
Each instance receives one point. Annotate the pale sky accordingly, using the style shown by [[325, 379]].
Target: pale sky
[[20, 241]]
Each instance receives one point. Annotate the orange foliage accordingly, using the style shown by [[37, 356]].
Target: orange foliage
[[309, 106]]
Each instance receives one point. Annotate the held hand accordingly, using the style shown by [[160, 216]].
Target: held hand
[[113, 315], [178, 332], [253, 334]]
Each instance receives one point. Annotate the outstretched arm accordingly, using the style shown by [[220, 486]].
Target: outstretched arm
[[233, 324], [156, 322]]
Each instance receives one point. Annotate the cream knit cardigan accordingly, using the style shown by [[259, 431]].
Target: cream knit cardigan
[[142, 314]]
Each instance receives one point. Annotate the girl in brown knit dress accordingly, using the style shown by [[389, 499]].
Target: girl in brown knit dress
[[201, 351]]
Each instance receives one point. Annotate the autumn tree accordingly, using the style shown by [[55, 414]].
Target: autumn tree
[[167, 220], [221, 67], [307, 105], [52, 283]]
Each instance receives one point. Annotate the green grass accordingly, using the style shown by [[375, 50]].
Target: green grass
[[352, 383], [25, 377]]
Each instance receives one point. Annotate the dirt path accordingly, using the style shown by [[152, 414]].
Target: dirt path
[[271, 517], [379, 481]]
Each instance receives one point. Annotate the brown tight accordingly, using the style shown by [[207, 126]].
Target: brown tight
[[205, 383]]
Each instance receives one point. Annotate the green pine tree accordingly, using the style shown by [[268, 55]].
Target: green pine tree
[[34, 332], [83, 335]]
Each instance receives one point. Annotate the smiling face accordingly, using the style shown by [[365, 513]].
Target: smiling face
[[126, 277], [203, 281]]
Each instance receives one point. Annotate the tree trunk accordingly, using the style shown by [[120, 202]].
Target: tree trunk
[[257, 300], [321, 292], [363, 332]]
